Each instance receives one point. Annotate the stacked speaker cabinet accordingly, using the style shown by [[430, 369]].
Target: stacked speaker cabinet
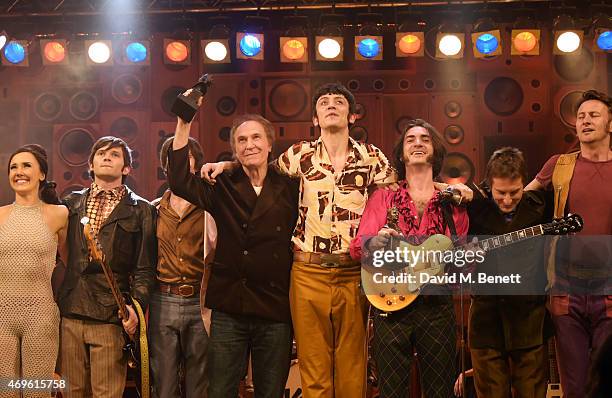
[[133, 128], [225, 100], [367, 127], [573, 74], [287, 105], [453, 115], [72, 144], [514, 109], [397, 110], [65, 104], [159, 132]]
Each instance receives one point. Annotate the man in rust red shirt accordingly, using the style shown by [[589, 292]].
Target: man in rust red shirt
[[582, 311]]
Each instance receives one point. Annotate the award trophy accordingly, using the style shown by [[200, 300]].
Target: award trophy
[[186, 106]]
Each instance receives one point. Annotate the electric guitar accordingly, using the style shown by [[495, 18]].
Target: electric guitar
[[394, 296], [135, 345]]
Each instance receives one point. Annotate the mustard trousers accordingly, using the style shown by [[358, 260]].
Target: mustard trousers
[[329, 314]]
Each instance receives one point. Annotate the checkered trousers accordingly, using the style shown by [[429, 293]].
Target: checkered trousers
[[427, 328]]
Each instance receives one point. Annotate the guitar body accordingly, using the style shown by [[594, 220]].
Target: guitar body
[[395, 286], [394, 296]]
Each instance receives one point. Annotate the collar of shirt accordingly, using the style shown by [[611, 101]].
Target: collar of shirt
[[354, 154], [164, 203], [116, 192]]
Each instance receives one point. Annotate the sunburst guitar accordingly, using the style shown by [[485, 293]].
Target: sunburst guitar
[[408, 281]]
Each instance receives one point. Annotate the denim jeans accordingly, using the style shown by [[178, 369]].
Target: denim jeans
[[231, 338], [177, 337]]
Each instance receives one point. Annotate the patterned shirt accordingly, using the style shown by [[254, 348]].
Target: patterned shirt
[[414, 228], [331, 204], [101, 203]]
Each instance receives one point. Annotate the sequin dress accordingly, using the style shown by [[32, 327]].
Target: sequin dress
[[29, 317]]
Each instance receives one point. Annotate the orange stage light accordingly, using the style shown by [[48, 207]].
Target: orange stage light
[[409, 44], [177, 51], [54, 52], [293, 49], [525, 41]]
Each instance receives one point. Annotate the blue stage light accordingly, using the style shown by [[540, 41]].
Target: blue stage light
[[14, 52], [368, 48], [487, 43], [136, 52], [604, 41], [250, 45]]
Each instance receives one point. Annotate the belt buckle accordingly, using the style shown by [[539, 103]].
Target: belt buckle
[[181, 289], [328, 264]]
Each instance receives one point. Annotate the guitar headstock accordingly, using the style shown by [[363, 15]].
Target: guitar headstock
[[94, 249], [568, 224]]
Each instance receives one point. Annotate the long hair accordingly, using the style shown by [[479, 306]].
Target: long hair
[[46, 189], [436, 142]]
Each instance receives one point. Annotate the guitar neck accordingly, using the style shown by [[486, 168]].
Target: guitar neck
[[110, 278], [510, 238]]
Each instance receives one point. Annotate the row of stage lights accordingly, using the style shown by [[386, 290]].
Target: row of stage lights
[[449, 45]]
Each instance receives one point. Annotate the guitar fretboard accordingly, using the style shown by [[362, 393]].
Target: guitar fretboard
[[510, 238]]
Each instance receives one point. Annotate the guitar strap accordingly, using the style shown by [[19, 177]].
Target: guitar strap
[[561, 178], [144, 351], [447, 216]]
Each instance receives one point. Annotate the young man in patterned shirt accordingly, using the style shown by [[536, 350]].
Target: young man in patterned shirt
[[329, 312]]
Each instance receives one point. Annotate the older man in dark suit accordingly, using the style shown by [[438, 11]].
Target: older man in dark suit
[[255, 208]]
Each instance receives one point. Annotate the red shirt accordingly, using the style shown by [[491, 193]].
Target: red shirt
[[590, 193], [375, 217]]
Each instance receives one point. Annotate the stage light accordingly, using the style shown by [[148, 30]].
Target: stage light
[[15, 53], [99, 52], [249, 46], [602, 29], [177, 52], [603, 40], [486, 38], [329, 42], [3, 39], [368, 48], [567, 39], [294, 49], [329, 48], [54, 52], [525, 42], [215, 46], [137, 52], [449, 45], [409, 44], [216, 51], [487, 44]]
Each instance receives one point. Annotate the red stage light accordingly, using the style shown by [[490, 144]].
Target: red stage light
[[177, 51], [54, 52]]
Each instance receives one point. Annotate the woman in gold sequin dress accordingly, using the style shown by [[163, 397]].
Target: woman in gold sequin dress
[[31, 230]]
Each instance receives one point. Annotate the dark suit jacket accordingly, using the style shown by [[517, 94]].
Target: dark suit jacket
[[511, 317], [251, 268], [128, 242]]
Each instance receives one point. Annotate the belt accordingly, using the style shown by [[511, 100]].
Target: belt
[[184, 290], [326, 260]]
